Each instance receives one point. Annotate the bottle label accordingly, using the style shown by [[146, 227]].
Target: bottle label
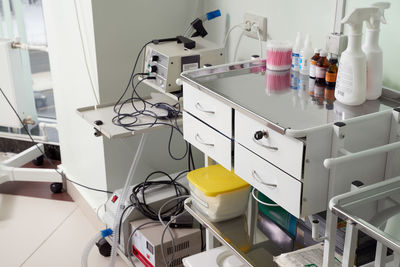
[[320, 72], [303, 65], [330, 77], [295, 60], [312, 68]]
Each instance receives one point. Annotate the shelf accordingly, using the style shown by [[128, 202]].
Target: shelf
[[105, 113], [254, 250]]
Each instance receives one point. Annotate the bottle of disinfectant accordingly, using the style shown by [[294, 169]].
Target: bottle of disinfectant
[[374, 52], [351, 81]]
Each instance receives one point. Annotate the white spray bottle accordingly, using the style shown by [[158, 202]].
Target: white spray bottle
[[351, 81], [374, 52]]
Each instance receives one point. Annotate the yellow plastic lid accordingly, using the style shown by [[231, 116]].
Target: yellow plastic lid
[[215, 179]]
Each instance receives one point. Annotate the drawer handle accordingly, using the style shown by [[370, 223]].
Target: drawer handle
[[265, 146], [199, 107], [200, 140], [258, 179]]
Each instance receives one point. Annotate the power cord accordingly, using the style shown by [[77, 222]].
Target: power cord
[[148, 211], [131, 120], [84, 54], [44, 154]]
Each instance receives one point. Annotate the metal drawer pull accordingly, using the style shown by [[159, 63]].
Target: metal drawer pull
[[258, 179], [198, 139], [261, 144], [199, 107]]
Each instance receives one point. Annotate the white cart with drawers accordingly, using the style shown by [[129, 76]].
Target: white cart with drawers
[[294, 148]]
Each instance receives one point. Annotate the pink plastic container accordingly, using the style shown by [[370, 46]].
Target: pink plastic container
[[279, 55]]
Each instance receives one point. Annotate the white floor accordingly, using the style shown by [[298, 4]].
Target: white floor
[[38, 232]]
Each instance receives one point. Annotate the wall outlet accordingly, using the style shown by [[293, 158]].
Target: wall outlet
[[253, 19]]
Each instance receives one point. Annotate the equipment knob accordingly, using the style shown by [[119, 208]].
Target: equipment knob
[[260, 134], [153, 68], [154, 58]]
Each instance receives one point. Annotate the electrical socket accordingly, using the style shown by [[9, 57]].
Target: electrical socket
[[260, 21]]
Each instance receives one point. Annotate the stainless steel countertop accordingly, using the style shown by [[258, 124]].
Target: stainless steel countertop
[[280, 100]]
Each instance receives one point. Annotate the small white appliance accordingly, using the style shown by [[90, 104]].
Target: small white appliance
[[167, 60]]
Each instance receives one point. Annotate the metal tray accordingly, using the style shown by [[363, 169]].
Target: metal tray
[[280, 100], [106, 113], [243, 237]]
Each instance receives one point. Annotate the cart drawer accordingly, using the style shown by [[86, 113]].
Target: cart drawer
[[208, 109], [206, 139], [283, 151], [269, 180]]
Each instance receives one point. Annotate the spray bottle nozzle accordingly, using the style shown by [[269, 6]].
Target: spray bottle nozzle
[[355, 19], [382, 6]]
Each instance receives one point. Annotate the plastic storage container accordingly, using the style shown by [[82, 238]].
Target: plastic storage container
[[218, 193]]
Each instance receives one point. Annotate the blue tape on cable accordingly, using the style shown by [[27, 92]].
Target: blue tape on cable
[[106, 232], [213, 14]]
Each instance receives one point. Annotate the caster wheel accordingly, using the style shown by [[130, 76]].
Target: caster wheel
[[38, 161], [56, 188], [104, 247]]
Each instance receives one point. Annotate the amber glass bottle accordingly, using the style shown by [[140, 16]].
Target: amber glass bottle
[[322, 66], [331, 72]]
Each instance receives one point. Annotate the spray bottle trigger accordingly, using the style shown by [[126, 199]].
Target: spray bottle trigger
[[383, 19]]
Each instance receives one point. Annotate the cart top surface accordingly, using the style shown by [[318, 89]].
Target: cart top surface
[[281, 99]]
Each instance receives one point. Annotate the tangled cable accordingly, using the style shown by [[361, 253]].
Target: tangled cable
[[139, 201]]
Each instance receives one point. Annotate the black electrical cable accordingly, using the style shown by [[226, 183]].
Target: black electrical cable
[[44, 154], [130, 121], [203, 246], [120, 220], [139, 202]]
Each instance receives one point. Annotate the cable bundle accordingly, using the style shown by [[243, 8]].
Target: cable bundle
[[139, 202]]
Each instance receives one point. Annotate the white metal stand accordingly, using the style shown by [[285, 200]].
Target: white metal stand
[[340, 156], [10, 170]]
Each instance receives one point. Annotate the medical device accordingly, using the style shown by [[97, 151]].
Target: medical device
[[167, 60], [18, 91], [155, 198], [146, 243]]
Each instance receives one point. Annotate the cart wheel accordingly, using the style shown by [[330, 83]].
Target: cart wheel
[[38, 161], [104, 247], [56, 188]]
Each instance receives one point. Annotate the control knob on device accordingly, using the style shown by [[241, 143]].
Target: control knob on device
[[153, 68], [154, 58]]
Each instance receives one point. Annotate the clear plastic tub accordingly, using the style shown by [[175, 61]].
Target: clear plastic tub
[[218, 193]]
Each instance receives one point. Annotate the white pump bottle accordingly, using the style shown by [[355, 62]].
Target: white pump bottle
[[374, 53], [351, 81]]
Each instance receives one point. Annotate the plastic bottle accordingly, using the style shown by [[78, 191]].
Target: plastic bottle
[[351, 81], [321, 67], [295, 53], [305, 55], [374, 53], [313, 63]]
